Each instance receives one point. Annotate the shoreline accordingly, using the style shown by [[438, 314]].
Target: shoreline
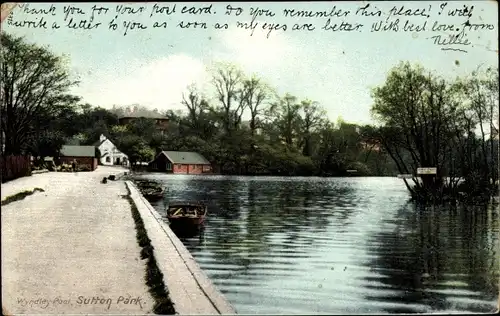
[[182, 275], [153, 277]]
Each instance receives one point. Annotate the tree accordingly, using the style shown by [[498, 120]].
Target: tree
[[429, 122], [479, 93], [312, 118], [287, 118], [227, 81], [254, 94], [135, 148], [196, 106], [199, 119], [143, 127], [35, 83], [47, 144]]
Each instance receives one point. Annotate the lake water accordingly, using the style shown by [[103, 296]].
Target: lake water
[[340, 245]]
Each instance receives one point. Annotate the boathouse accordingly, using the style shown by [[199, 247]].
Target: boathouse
[[180, 162], [85, 156]]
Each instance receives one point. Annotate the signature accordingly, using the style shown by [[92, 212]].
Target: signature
[[452, 40]]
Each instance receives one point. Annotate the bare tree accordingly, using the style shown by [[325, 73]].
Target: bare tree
[[227, 80], [195, 104], [254, 94]]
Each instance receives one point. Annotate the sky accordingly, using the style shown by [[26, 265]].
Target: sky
[[153, 67]]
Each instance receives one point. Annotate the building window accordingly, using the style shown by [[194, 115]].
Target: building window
[[108, 159], [169, 166]]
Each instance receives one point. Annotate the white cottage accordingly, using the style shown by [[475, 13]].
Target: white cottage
[[110, 155]]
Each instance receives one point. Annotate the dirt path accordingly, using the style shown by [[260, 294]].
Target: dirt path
[[71, 249]]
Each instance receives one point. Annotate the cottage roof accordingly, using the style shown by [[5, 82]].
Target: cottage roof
[[190, 158], [101, 140], [77, 151]]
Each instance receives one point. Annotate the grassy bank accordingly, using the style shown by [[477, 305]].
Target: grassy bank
[[154, 277], [20, 196]]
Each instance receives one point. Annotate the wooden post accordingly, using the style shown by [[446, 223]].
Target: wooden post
[[428, 173]]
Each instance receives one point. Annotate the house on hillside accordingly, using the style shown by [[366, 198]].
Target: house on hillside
[[180, 162], [84, 156], [160, 121], [110, 154]]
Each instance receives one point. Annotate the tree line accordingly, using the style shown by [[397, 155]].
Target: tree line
[[246, 128]]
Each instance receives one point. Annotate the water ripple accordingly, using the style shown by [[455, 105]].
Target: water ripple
[[282, 245]]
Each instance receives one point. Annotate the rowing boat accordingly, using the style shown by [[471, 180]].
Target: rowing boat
[[186, 214]]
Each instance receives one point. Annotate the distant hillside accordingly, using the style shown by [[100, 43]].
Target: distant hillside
[[135, 110]]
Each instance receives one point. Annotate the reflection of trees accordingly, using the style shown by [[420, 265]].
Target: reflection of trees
[[277, 218], [226, 226], [480, 249], [437, 259], [253, 222], [298, 209]]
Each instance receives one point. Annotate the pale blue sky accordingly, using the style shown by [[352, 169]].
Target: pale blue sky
[[152, 67]]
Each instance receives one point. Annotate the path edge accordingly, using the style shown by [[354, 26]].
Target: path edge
[[154, 221]]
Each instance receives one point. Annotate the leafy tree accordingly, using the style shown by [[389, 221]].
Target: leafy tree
[[287, 118], [143, 127], [135, 148], [35, 84], [47, 144], [313, 115], [429, 122], [480, 109]]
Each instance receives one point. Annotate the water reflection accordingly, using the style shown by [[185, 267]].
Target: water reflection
[[192, 239], [436, 260], [353, 245]]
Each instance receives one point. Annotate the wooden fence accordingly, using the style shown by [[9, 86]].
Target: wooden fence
[[13, 167]]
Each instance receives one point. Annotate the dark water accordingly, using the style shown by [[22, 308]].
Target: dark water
[[343, 245]]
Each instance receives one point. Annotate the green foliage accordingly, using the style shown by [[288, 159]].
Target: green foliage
[[35, 85], [135, 147], [47, 144], [430, 122]]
